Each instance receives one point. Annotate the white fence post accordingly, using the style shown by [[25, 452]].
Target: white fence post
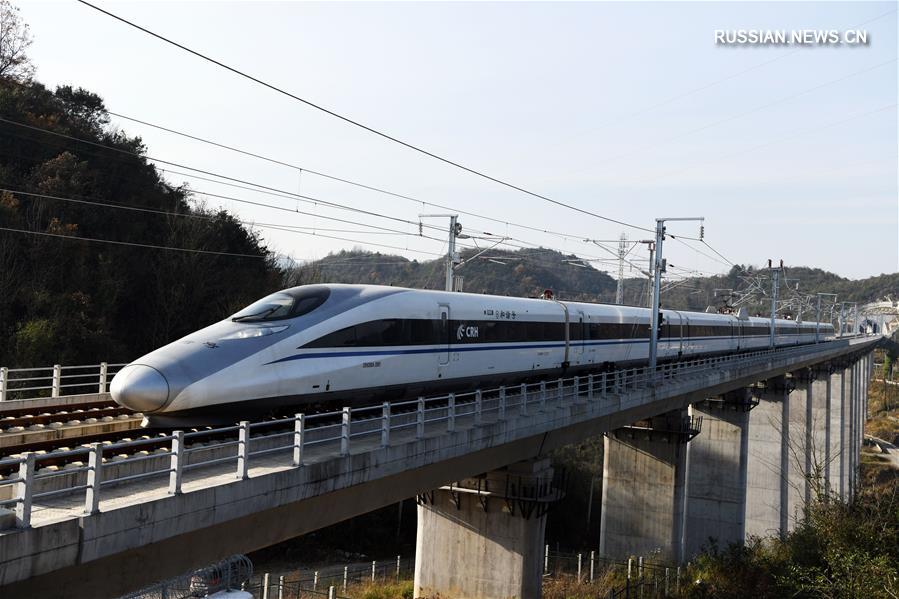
[[280, 587], [501, 409], [546, 559], [94, 478], [346, 572], [299, 438], [451, 413], [579, 564], [560, 389], [478, 408], [577, 389], [103, 372], [374, 565], [4, 382], [345, 432], [589, 387], [177, 463], [592, 565], [397, 568], [385, 425], [24, 490], [524, 400], [57, 380], [332, 592], [265, 581], [315, 580], [420, 419], [542, 395], [243, 450]]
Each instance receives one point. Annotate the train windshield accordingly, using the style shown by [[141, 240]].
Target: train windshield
[[284, 304]]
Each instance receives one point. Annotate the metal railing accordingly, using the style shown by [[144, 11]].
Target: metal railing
[[331, 579], [55, 381], [643, 577], [340, 430]]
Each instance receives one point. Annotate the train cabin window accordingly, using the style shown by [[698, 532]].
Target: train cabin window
[[290, 303]]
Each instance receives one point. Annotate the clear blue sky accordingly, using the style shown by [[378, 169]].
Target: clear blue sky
[[787, 153]]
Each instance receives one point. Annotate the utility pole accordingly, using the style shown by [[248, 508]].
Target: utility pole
[[622, 252], [658, 264], [651, 244], [452, 256], [775, 282], [818, 315], [842, 309]]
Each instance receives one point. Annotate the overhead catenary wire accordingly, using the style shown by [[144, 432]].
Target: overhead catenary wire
[[129, 243], [360, 125], [345, 180], [286, 228], [228, 180], [251, 223]]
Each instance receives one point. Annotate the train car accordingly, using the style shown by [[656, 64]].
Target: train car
[[354, 344]]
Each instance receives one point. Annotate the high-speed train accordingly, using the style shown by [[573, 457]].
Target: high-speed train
[[317, 344]]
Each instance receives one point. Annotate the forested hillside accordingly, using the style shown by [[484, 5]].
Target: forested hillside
[[67, 301]]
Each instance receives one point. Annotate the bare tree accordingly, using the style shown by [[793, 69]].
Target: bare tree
[[14, 42]]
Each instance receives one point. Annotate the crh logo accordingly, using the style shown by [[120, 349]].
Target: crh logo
[[465, 332]]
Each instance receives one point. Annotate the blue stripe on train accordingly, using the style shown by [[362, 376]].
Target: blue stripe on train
[[469, 348]]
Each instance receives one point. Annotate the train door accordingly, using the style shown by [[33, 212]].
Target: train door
[[685, 337], [444, 334], [675, 332], [578, 338]]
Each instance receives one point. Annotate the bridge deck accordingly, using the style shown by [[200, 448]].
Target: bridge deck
[[218, 514]]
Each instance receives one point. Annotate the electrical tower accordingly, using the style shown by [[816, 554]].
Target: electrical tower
[[622, 252]]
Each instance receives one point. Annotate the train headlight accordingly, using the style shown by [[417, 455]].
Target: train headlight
[[256, 332]]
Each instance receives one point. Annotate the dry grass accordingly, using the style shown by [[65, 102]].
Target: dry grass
[[403, 589]]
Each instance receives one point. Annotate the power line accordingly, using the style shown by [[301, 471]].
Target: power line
[[267, 190], [282, 193], [359, 124], [303, 169], [256, 187], [280, 227], [130, 243], [270, 191]]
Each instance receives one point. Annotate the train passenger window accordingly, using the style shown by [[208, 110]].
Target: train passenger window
[[342, 338], [423, 332], [380, 332], [290, 303]]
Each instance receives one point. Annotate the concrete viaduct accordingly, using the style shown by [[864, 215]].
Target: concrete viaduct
[[777, 428]]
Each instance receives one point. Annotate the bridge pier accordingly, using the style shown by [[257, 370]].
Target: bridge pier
[[716, 475], [767, 481], [483, 537], [799, 445], [644, 490], [835, 446], [819, 419], [853, 411]]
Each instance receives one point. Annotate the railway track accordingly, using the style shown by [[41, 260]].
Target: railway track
[[47, 428], [26, 418]]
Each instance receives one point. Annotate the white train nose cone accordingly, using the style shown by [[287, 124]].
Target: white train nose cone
[[140, 388]]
